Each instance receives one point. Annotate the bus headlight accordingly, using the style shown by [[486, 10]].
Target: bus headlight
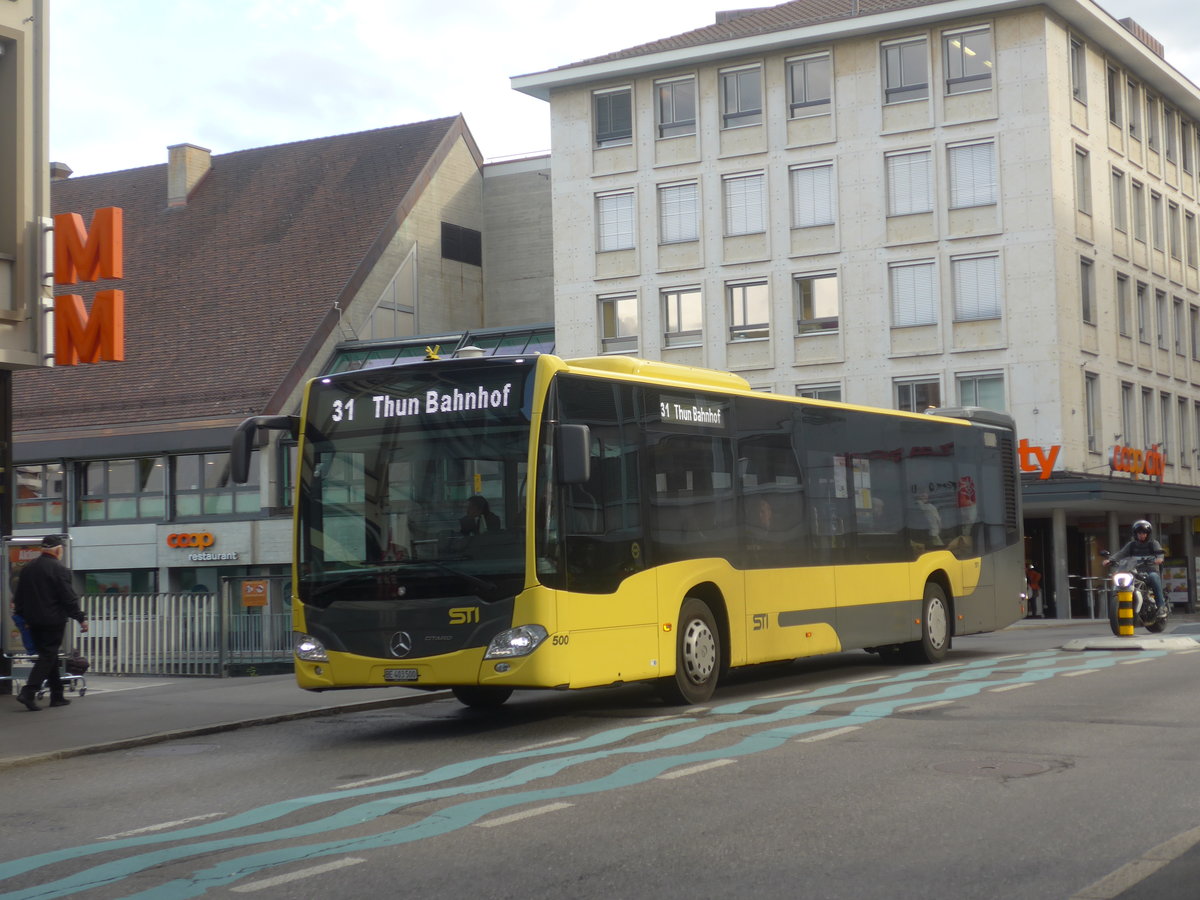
[[1123, 581], [308, 648], [516, 642]]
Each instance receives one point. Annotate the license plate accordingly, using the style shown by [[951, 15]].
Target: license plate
[[399, 674]]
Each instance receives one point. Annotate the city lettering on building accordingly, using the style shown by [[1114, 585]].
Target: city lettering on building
[[1138, 462], [1033, 458], [83, 255]]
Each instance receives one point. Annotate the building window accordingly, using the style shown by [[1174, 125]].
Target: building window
[[1087, 290], [619, 323], [678, 213], [741, 97], [203, 487], [972, 175], [1160, 314], [749, 310], [1128, 413], [976, 287], [914, 294], [1170, 133], [1174, 231], [910, 182], [1164, 419], [918, 394], [1124, 321], [1083, 181], [676, 106], [111, 489], [1143, 313], [1186, 146], [969, 60], [39, 492], [614, 221], [684, 315], [1178, 331], [812, 195], [1134, 111], [1091, 405], [810, 84], [1156, 220], [1181, 426], [1119, 201], [462, 244], [1139, 211], [1147, 417], [1152, 123], [1078, 70], [613, 117], [1194, 330], [745, 204], [985, 389], [832, 392], [1192, 245], [817, 303], [1114, 96], [906, 70]]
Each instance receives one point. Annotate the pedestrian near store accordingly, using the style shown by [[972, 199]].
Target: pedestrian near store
[[1034, 578], [46, 599]]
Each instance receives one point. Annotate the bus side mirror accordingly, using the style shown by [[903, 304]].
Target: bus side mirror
[[242, 445], [574, 452]]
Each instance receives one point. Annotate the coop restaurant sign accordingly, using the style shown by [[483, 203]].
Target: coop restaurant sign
[[1138, 462], [83, 255]]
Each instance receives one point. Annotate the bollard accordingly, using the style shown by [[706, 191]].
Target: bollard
[[1125, 612]]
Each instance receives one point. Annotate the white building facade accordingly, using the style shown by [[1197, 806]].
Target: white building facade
[[910, 205]]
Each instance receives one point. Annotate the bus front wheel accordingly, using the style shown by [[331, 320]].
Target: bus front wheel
[[935, 628], [480, 696], [697, 656]]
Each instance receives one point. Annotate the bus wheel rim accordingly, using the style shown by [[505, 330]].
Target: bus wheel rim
[[938, 623], [699, 651]]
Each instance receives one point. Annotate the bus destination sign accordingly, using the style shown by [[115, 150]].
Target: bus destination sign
[[691, 411]]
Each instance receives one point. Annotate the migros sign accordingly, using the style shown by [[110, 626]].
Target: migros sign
[[80, 255]]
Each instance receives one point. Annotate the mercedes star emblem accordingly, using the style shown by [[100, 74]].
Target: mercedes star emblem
[[401, 644]]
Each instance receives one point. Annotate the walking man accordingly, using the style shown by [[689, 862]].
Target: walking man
[[46, 599]]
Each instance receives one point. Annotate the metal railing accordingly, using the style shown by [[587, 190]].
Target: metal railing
[[178, 634]]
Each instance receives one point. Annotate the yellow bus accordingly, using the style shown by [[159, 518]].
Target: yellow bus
[[529, 522]]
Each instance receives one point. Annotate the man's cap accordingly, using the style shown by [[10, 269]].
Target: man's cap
[[52, 540]]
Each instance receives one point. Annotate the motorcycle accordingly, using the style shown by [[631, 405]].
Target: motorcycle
[[1128, 575]]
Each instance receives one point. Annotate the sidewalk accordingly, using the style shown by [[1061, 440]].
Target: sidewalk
[[121, 712]]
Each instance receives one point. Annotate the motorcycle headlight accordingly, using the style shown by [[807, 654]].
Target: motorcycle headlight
[[1123, 581], [307, 647], [519, 641]]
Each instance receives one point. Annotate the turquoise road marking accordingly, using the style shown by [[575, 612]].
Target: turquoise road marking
[[891, 695]]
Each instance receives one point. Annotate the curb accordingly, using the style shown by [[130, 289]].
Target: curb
[[159, 737]]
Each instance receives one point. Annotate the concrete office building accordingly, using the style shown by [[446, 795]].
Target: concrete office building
[[245, 274], [909, 204]]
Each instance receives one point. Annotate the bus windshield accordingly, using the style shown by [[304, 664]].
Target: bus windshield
[[410, 486]]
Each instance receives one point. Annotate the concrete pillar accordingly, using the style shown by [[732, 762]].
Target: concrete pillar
[[1058, 550]]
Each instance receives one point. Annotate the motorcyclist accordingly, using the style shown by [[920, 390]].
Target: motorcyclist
[[1143, 544]]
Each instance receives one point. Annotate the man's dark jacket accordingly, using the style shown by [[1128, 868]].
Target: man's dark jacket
[[45, 595]]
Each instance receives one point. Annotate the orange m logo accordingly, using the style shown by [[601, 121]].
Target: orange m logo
[[80, 256], [80, 337]]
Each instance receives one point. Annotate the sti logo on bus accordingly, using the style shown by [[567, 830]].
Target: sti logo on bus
[[464, 615]]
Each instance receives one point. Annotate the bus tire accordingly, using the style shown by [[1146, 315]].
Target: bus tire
[[697, 656], [481, 696], [935, 628]]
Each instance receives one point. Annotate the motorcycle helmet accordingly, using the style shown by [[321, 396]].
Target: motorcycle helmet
[[1142, 525]]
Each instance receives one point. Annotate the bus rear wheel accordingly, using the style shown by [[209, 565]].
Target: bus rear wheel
[[697, 656], [480, 696], [935, 628]]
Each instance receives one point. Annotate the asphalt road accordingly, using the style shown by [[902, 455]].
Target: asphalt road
[[1015, 770]]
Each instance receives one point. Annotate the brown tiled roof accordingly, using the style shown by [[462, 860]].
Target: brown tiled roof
[[796, 14], [223, 296]]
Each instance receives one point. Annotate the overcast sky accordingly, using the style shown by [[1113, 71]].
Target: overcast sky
[[128, 78]]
